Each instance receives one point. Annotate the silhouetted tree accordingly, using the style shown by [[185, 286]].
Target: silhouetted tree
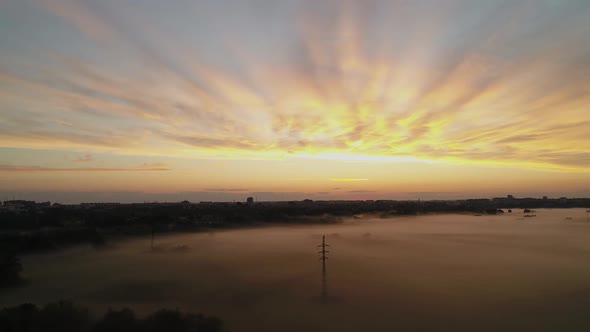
[[19, 319], [10, 269], [63, 316], [54, 317], [118, 321], [97, 239], [66, 317], [174, 321], [166, 320]]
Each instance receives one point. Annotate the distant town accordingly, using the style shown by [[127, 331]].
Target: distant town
[[314, 207], [30, 226]]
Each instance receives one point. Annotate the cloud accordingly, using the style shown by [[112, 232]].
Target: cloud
[[226, 189], [142, 168], [347, 179], [84, 159], [80, 16], [345, 81]]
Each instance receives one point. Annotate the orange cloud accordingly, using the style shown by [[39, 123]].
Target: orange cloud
[[142, 168], [84, 159], [348, 180], [331, 96]]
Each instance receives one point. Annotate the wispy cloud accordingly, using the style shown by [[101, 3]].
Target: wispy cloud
[[345, 84], [84, 159], [226, 189], [361, 191], [142, 168], [80, 16], [347, 180]]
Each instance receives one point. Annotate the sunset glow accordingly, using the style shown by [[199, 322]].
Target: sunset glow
[[291, 99]]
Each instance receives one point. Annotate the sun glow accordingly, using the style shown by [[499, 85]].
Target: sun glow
[[394, 85]]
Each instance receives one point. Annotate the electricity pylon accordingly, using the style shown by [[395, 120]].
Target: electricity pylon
[[323, 258]]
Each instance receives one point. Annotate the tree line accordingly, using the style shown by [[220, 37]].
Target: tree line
[[64, 316]]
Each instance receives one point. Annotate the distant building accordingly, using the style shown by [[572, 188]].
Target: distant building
[[545, 197], [19, 204], [510, 196], [250, 200]]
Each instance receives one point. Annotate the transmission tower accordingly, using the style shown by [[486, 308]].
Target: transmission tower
[[323, 258]]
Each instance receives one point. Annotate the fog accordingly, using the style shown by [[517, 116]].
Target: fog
[[434, 272]]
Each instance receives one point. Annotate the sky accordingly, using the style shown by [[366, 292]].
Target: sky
[[129, 100]]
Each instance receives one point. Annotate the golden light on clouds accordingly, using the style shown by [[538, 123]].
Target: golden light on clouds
[[142, 168], [443, 83], [348, 180]]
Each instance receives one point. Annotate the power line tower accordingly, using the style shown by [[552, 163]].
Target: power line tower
[[323, 258]]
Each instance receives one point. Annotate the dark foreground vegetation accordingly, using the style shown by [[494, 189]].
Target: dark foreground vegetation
[[66, 317], [27, 226], [10, 270]]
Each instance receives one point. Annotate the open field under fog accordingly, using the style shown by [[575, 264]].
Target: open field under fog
[[433, 272]]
